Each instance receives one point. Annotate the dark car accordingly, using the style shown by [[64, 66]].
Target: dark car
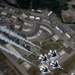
[[27, 47]]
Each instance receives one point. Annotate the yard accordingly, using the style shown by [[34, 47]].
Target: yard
[[2, 57], [68, 50], [50, 46]]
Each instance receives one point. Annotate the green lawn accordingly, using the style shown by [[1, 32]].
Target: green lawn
[[34, 70], [33, 57], [49, 46], [52, 46], [68, 50], [56, 46], [69, 64], [44, 41]]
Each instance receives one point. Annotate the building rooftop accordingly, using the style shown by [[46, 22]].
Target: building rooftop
[[56, 37], [61, 28]]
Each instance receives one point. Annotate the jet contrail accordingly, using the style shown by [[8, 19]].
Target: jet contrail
[[16, 35], [13, 43], [10, 52]]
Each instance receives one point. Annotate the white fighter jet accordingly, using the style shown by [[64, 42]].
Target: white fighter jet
[[45, 69], [53, 54], [43, 58], [55, 64]]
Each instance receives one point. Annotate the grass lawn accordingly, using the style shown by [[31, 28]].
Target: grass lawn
[[44, 41], [2, 57], [46, 49], [51, 46], [33, 57], [37, 43], [34, 71], [56, 46], [69, 64], [68, 50]]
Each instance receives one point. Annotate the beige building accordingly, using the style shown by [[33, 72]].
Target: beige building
[[55, 37]]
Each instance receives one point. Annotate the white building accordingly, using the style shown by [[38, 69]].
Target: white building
[[67, 35], [62, 52], [45, 28], [26, 65], [35, 36], [26, 30], [55, 37], [60, 28], [39, 11], [31, 17], [25, 23], [14, 17], [17, 26], [24, 15], [65, 45], [57, 27], [37, 18], [3, 13], [32, 10], [49, 13], [46, 20]]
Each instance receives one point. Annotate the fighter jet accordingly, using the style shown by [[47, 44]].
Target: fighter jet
[[53, 54], [43, 58], [44, 69], [55, 65]]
